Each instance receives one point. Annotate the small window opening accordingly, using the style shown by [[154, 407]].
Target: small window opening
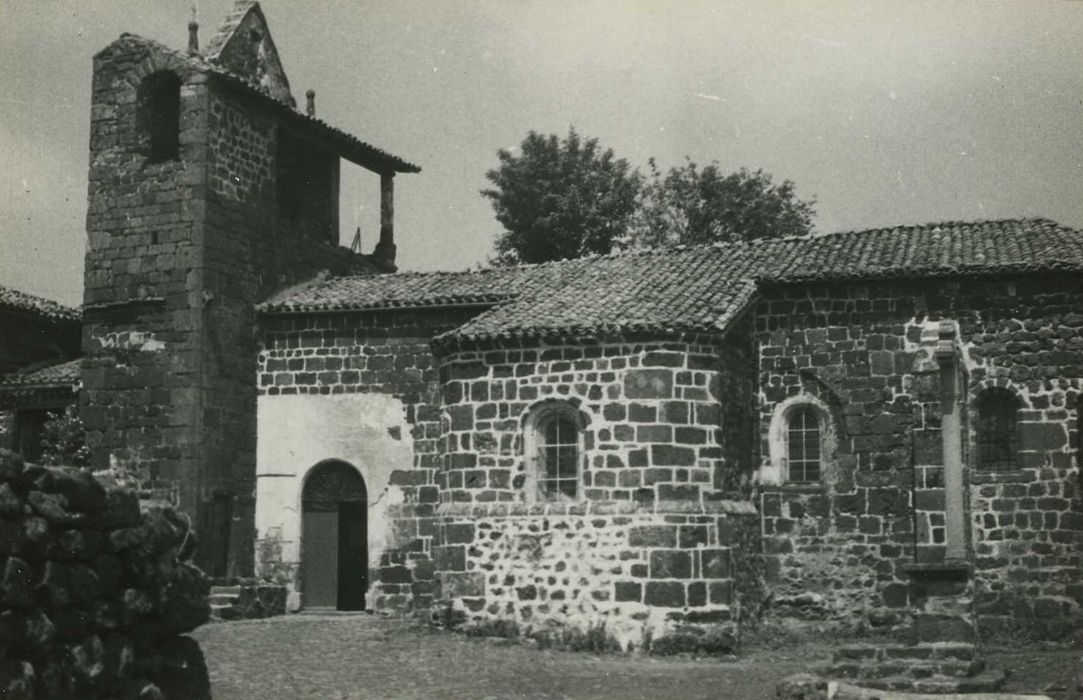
[[558, 457], [161, 110], [803, 445], [998, 430]]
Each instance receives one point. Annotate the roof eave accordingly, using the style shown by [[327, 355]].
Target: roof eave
[[338, 141]]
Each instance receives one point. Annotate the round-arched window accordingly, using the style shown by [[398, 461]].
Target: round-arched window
[[803, 444]]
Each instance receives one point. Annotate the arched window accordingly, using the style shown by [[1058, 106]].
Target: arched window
[[554, 445], [160, 115], [998, 430], [803, 444]]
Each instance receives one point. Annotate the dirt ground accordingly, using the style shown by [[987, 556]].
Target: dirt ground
[[362, 656]]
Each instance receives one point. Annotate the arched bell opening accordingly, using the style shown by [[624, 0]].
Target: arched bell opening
[[334, 538]]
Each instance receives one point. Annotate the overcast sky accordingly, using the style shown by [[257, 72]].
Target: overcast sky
[[887, 112]]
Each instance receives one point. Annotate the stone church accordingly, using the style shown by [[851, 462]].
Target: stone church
[[806, 429]]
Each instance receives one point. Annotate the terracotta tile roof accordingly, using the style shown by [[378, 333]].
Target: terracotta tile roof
[[58, 375], [698, 289], [13, 299], [421, 289], [931, 250]]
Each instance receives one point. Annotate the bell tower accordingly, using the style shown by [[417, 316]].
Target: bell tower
[[208, 191]]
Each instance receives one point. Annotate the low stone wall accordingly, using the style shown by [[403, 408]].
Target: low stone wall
[[94, 595], [670, 577], [247, 599]]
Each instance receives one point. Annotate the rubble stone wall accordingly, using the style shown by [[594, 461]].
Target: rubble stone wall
[[95, 597], [835, 549], [638, 573]]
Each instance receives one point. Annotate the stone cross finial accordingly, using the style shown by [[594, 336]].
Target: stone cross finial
[[193, 32], [310, 103]]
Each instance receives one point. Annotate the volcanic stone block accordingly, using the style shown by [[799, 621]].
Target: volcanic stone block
[[627, 591], [450, 558], [1041, 437], [670, 563], [459, 533], [716, 563], [648, 384], [670, 455], [653, 536], [665, 594]]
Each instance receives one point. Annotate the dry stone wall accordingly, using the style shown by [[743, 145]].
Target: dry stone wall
[[94, 596], [836, 548]]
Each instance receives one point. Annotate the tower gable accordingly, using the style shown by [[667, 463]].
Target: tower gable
[[244, 47]]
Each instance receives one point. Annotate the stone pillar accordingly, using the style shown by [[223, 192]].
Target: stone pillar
[[385, 249], [951, 425]]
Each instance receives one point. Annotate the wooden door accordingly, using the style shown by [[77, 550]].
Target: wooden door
[[352, 555], [319, 566]]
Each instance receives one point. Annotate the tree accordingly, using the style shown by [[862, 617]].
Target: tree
[[63, 440], [560, 199], [690, 205]]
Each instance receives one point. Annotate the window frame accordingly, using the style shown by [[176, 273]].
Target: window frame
[[1004, 396], [535, 425], [806, 413], [776, 471]]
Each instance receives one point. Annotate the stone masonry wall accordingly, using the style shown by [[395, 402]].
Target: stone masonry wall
[[651, 413], [638, 574], [643, 549], [386, 353], [249, 251], [836, 548], [178, 254], [140, 342]]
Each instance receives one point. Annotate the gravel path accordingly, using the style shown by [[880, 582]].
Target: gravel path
[[362, 656], [367, 657]]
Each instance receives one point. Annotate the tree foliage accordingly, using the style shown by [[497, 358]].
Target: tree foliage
[[565, 198], [560, 198], [692, 205], [63, 440]]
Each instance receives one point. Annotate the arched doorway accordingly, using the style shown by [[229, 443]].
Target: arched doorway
[[334, 538]]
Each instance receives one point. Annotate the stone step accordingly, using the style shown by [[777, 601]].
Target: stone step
[[332, 612], [222, 599], [988, 681], [963, 651], [905, 668], [225, 590], [932, 627]]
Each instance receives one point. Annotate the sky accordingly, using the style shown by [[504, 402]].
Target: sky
[[887, 113]]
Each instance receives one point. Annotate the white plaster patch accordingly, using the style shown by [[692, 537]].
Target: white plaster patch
[[130, 340], [297, 432]]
